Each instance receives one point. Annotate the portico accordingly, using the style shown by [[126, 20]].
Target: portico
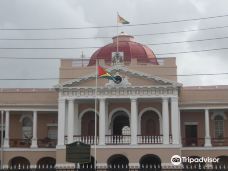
[[70, 105]]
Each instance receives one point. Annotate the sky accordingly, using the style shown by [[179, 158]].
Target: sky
[[43, 14]]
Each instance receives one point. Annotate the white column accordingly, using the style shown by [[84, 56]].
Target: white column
[[207, 129], [101, 121], [106, 118], [61, 122], [34, 130], [175, 120], [7, 124], [134, 121], [70, 130], [77, 129], [179, 118], [165, 119]]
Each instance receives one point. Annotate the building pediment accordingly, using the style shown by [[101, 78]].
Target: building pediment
[[130, 78]]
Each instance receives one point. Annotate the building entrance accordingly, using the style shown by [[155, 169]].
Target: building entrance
[[120, 122], [191, 135]]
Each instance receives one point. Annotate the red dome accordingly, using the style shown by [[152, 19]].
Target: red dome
[[130, 49]]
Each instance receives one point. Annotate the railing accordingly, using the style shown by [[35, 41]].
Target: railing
[[150, 139], [121, 139], [199, 142], [26, 143], [219, 141], [117, 139], [20, 143], [219, 167], [86, 139], [193, 142], [47, 143]]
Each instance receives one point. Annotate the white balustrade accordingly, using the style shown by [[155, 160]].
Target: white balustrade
[[86, 139], [150, 139], [118, 139]]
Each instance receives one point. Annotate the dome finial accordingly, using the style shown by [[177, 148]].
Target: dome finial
[[124, 37], [123, 33]]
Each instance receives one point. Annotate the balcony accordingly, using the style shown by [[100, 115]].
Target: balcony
[[26, 143], [21, 143], [199, 142], [117, 139], [120, 139], [219, 142], [47, 143], [85, 139], [150, 139]]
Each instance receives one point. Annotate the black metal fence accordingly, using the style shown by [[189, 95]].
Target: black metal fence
[[122, 168]]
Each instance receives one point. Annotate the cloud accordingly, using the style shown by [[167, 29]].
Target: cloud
[[70, 13], [207, 62], [40, 14]]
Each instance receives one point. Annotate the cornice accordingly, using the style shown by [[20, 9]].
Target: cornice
[[142, 91], [203, 102]]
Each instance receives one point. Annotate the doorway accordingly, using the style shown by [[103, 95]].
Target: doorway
[[120, 122], [191, 135]]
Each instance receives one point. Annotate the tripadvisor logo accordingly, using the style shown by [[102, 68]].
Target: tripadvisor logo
[[177, 160]]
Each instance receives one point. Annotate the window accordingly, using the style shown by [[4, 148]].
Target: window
[[219, 127]]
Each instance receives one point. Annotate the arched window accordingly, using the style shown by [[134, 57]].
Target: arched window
[[118, 160], [223, 161], [120, 123], [150, 124], [88, 124], [219, 126], [27, 128], [46, 162], [150, 162], [19, 162]]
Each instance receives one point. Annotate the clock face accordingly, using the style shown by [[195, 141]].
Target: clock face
[[118, 79]]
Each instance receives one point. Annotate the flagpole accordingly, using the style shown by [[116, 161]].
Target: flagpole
[[95, 134], [117, 30], [2, 138]]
